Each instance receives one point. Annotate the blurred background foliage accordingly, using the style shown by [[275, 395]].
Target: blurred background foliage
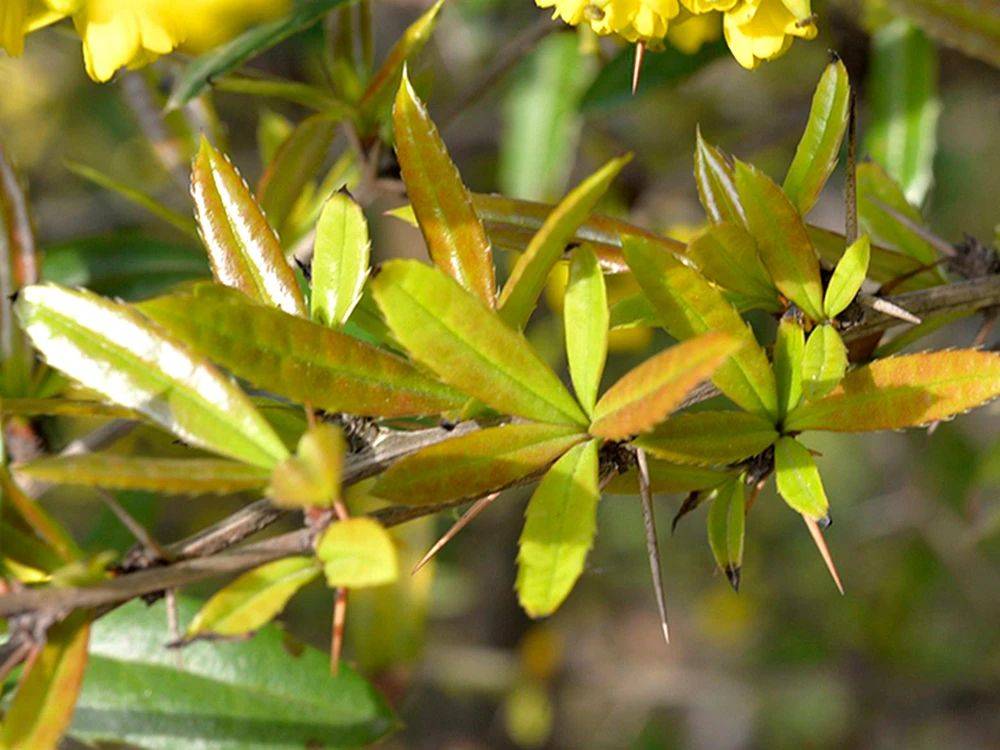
[[909, 658]]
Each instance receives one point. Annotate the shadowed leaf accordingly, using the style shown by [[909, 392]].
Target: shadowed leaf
[[35, 519], [884, 265], [585, 315], [340, 260], [311, 478], [824, 362], [357, 553], [876, 190], [798, 479], [65, 407], [726, 528], [847, 277], [971, 26], [727, 254], [710, 438]]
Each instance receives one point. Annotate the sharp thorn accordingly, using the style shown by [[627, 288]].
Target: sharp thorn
[[891, 309], [337, 630], [474, 510], [640, 55], [652, 544], [824, 551]]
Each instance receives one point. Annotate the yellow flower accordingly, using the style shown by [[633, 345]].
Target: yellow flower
[[211, 22], [634, 20], [18, 17], [704, 6], [689, 31], [764, 29]]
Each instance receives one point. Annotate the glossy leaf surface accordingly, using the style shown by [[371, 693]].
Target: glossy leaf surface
[[585, 317], [709, 437], [848, 276], [824, 362], [357, 553], [713, 174], [798, 479], [340, 260], [727, 528], [789, 349]]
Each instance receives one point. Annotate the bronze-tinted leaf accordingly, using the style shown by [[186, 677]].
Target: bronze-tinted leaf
[[709, 438]]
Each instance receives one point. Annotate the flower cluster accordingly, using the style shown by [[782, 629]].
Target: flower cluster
[[755, 30], [132, 33]]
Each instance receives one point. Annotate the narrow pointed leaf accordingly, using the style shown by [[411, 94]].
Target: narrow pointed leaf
[[65, 407], [709, 438], [559, 527], [34, 518], [169, 476], [475, 464], [645, 396], [687, 306], [727, 255], [357, 553], [242, 248], [876, 190], [906, 391], [713, 174], [340, 260], [848, 276], [727, 527], [884, 265], [455, 237], [816, 155], [669, 478], [798, 479], [465, 344], [253, 599], [782, 239], [527, 279], [296, 358], [111, 349], [824, 362], [789, 349], [585, 314]]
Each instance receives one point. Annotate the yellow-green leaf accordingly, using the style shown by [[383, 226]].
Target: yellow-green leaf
[[711, 438], [885, 265], [340, 260], [906, 391], [688, 306], [466, 345], [110, 348], [253, 599], [527, 279], [713, 174], [357, 553], [585, 316], [727, 255], [789, 349], [646, 395], [475, 464], [243, 249], [782, 241], [169, 476], [455, 237], [727, 527], [559, 527], [824, 362], [798, 479], [311, 478], [847, 277], [816, 155]]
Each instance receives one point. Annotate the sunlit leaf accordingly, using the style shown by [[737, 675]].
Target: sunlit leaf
[[475, 464], [876, 191], [669, 478], [782, 240], [646, 395], [817, 152], [455, 237], [170, 476], [847, 277], [726, 254], [789, 349], [905, 391], [713, 174], [824, 362], [527, 279], [798, 479], [340, 260], [559, 527], [585, 314], [711, 438], [727, 527], [688, 306], [110, 348], [465, 344], [254, 598], [296, 358], [243, 249], [311, 478], [357, 553]]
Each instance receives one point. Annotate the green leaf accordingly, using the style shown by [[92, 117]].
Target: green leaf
[[585, 315], [669, 478], [226, 57], [848, 276], [311, 478], [298, 162], [110, 348], [466, 345], [727, 527], [971, 26], [472, 465], [260, 85], [527, 279], [782, 240], [17, 506], [270, 692], [243, 249], [455, 237], [902, 135], [559, 527], [169, 476], [817, 152], [713, 174], [876, 190], [357, 553], [18, 266], [885, 265], [634, 310], [254, 598], [899, 392], [727, 255], [824, 362], [296, 358], [65, 407], [789, 350], [689, 306], [710, 438], [340, 260], [798, 479], [44, 702], [646, 395]]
